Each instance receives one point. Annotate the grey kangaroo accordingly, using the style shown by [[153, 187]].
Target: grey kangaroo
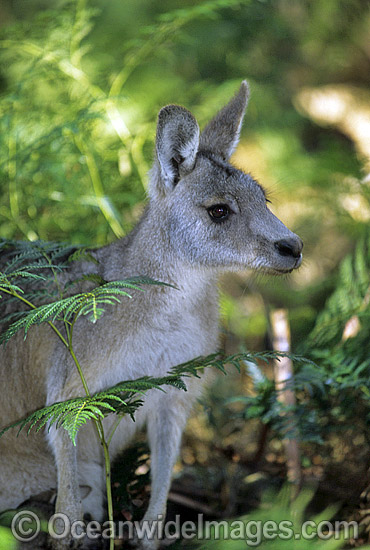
[[204, 217]]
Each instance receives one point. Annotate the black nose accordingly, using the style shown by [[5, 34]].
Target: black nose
[[290, 247]]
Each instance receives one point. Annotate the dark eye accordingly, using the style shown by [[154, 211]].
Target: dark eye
[[219, 212]]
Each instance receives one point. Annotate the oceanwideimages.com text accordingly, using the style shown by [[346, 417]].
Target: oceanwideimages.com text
[[26, 525]]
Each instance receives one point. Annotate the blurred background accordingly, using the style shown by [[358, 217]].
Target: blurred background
[[81, 83]]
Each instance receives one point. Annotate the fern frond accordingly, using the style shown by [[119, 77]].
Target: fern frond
[[21, 252], [348, 299], [126, 397], [219, 361], [90, 304], [5, 285], [74, 413], [82, 254]]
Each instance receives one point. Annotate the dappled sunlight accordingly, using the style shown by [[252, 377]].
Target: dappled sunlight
[[250, 157], [345, 107], [356, 205]]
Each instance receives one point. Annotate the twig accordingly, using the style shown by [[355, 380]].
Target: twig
[[283, 372], [190, 503]]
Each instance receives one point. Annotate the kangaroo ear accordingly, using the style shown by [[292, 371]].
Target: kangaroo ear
[[177, 143], [221, 135]]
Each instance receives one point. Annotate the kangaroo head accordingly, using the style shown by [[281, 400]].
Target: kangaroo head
[[214, 214]]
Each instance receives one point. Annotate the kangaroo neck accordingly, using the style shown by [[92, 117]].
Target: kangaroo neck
[[147, 251]]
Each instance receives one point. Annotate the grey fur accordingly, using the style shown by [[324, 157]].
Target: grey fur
[[178, 242]]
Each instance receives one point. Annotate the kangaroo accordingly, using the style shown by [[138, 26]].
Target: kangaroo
[[204, 216]]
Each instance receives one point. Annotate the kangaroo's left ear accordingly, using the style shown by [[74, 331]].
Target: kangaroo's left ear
[[221, 135]]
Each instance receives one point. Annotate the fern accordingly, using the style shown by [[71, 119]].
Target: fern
[[126, 397], [82, 254], [18, 252], [219, 361], [32, 263], [54, 258], [24, 260], [348, 299], [90, 303], [344, 357]]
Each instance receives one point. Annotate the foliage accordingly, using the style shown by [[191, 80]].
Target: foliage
[[350, 298], [87, 303], [7, 541], [286, 519], [64, 135], [340, 342], [71, 414], [26, 261], [263, 402], [124, 398]]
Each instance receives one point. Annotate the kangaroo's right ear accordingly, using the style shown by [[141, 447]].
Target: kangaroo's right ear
[[221, 135], [177, 143]]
